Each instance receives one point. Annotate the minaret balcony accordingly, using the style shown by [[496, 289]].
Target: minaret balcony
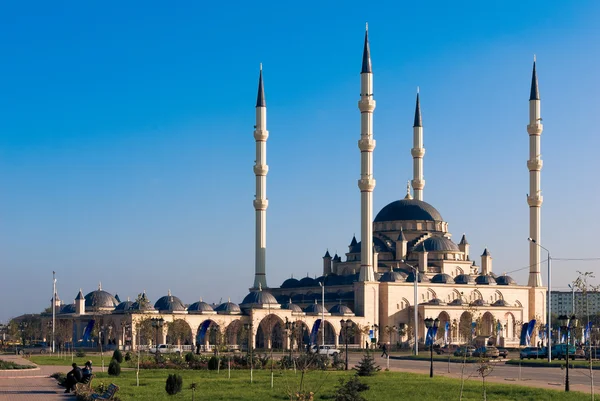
[[535, 164], [535, 129], [418, 184], [261, 169], [261, 135], [366, 105], [535, 200], [261, 204], [366, 184], [417, 152], [366, 144]]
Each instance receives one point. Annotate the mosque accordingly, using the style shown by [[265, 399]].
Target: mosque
[[370, 295]]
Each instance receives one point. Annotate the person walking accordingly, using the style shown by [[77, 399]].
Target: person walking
[[384, 350]]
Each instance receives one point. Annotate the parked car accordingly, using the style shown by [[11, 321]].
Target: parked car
[[559, 351], [39, 348], [532, 352], [446, 349], [595, 352], [464, 351], [487, 352], [324, 350], [502, 353], [165, 349]]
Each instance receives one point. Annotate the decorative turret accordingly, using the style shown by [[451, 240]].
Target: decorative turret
[[486, 262], [534, 165], [366, 184], [80, 303], [401, 246], [327, 264], [463, 245], [423, 260], [260, 171], [353, 244], [417, 152]]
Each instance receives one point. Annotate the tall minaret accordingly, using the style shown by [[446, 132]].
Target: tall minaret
[[417, 152], [366, 184], [260, 171], [534, 164]]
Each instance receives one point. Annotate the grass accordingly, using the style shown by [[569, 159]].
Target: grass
[[8, 365], [66, 361], [384, 386]]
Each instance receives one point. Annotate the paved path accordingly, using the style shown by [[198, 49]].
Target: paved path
[[31, 384]]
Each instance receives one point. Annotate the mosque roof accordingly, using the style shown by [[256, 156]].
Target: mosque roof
[[259, 297], [408, 209], [442, 278], [340, 309], [505, 280], [500, 302], [290, 283], [200, 306], [124, 306], [100, 299], [292, 307], [169, 303], [393, 277], [436, 244], [69, 308], [420, 278], [485, 279], [228, 308], [314, 308], [464, 279]]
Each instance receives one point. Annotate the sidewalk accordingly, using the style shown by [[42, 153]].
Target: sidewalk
[[31, 384]]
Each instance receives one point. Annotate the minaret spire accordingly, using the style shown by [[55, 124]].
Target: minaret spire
[[366, 183], [534, 165], [417, 152], [260, 171]]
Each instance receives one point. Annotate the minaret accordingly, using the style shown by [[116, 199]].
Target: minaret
[[417, 152], [366, 184], [260, 171], [534, 198]]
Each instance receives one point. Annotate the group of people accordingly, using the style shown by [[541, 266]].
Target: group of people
[[78, 375]]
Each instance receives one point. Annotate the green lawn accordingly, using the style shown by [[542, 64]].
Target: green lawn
[[66, 361], [384, 386]]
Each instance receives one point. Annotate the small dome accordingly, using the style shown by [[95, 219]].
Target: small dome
[[456, 302], [485, 279], [307, 282], [464, 279], [442, 278], [420, 278], [228, 308], [505, 280], [100, 299], [169, 303], [392, 277], [314, 308], [340, 309], [124, 306], [408, 209], [478, 302], [146, 305], [435, 301], [290, 283], [259, 297], [436, 244], [70, 308], [500, 302], [200, 306], [292, 307]]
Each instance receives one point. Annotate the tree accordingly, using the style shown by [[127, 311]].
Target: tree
[[367, 366]]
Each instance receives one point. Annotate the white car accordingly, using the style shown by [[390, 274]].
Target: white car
[[165, 349], [325, 350]]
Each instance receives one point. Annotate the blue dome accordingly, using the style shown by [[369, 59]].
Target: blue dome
[[456, 302], [485, 279], [307, 282], [70, 308], [259, 297], [420, 278], [442, 278], [100, 299], [340, 309], [200, 306], [228, 308], [393, 277], [500, 302], [293, 307], [124, 306], [146, 305], [408, 209], [464, 279], [314, 308], [436, 244], [505, 280], [169, 303], [290, 283]]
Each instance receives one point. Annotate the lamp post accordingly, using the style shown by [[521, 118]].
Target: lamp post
[[157, 323], [248, 327], [567, 324], [416, 301], [431, 323], [345, 324], [549, 317], [572, 287]]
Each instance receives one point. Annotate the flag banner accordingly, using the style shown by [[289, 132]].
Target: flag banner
[[586, 333], [473, 327], [202, 332], [530, 327], [88, 331], [314, 332], [446, 330], [429, 337], [524, 334]]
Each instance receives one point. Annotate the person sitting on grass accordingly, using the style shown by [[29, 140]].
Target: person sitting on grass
[[73, 377]]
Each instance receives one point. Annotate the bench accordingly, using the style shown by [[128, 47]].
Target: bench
[[108, 394], [85, 384]]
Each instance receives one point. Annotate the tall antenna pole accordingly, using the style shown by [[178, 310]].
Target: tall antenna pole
[[53, 306]]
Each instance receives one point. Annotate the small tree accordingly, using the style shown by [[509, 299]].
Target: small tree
[[174, 384], [118, 356], [114, 368], [349, 390], [367, 366]]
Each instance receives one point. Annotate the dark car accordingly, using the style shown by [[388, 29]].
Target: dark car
[[446, 349], [532, 352], [38, 348], [487, 352], [464, 351], [502, 352]]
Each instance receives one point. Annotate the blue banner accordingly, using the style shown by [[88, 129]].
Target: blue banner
[[315, 331], [88, 331], [524, 334], [202, 332], [431, 334], [530, 327], [446, 330]]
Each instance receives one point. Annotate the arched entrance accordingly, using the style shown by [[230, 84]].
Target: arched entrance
[[179, 332], [464, 328], [270, 333], [441, 333], [487, 325], [209, 335]]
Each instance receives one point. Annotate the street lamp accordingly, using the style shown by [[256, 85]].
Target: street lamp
[[416, 280], [346, 324], [157, 323], [431, 323], [549, 317], [248, 328], [567, 324], [290, 328]]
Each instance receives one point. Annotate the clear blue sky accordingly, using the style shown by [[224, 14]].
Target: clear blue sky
[[126, 146]]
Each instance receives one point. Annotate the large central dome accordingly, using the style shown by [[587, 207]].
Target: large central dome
[[408, 209]]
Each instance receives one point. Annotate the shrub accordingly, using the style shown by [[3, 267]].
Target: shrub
[[366, 366], [80, 354], [60, 377], [128, 356], [174, 384], [349, 391], [190, 357], [114, 368], [213, 363], [118, 356]]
